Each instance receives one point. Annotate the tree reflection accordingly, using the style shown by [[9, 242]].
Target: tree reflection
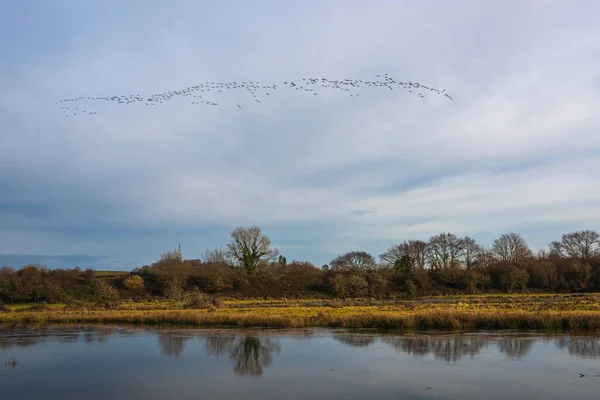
[[251, 353], [100, 336], [447, 348], [515, 347], [219, 345], [8, 342], [454, 348], [171, 345], [354, 339], [581, 346]]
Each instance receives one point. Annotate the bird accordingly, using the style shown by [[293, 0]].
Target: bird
[[304, 84]]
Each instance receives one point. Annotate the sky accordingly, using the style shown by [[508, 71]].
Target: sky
[[516, 150]]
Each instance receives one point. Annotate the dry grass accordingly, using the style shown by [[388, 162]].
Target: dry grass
[[425, 320], [555, 312]]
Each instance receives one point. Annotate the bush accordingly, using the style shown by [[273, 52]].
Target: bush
[[379, 286], [135, 285], [339, 286], [173, 290], [352, 286], [357, 286], [107, 295], [410, 288], [3, 307], [197, 299]]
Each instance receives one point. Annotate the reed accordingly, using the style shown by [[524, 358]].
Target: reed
[[450, 319]]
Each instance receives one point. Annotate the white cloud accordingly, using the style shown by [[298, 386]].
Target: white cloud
[[516, 150]]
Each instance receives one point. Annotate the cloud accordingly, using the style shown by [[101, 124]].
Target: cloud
[[517, 149]]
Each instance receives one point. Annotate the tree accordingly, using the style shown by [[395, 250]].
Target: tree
[[168, 264], [581, 245], [444, 251], [250, 249], [511, 248], [471, 252], [218, 267], [407, 256], [393, 256], [215, 256], [354, 261]]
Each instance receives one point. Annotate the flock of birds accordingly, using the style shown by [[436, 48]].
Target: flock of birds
[[199, 94]]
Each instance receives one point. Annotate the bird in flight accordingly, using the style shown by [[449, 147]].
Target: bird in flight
[[309, 85]]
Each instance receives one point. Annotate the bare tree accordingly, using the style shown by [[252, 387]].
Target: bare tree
[[485, 257], [511, 248], [354, 261], [217, 265], [407, 256], [444, 251], [249, 248], [416, 251], [168, 264], [394, 256], [582, 245], [216, 256], [471, 252]]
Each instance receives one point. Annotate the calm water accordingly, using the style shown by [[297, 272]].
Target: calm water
[[137, 363]]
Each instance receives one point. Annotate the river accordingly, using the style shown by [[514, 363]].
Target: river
[[109, 362]]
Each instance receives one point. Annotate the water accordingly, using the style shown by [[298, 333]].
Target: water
[[140, 363]]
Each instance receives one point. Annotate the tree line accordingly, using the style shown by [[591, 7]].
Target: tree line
[[250, 266]]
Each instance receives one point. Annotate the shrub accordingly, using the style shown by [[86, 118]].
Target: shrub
[[339, 286], [107, 295], [197, 299], [410, 288], [135, 285], [379, 286], [173, 289], [357, 286]]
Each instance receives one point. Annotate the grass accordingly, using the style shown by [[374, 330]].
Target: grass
[[424, 320], [487, 312]]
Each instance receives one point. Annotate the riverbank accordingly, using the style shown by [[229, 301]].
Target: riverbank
[[427, 320], [520, 312]]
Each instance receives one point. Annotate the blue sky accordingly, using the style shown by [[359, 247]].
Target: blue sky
[[518, 149]]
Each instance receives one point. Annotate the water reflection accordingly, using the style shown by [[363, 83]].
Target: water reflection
[[334, 364], [250, 352], [25, 337], [580, 346], [449, 348], [514, 347], [454, 348], [171, 345], [355, 339]]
